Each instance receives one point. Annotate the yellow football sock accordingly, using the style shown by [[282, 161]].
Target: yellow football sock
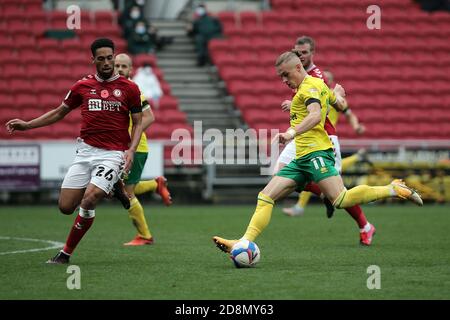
[[136, 213], [349, 161], [303, 198], [145, 186], [362, 194], [260, 218]]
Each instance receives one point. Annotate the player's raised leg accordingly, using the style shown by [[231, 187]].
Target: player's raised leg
[[277, 188], [334, 189], [159, 185], [360, 156]]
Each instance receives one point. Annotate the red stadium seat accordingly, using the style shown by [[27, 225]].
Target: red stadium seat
[[170, 116], [240, 87], [168, 102], [6, 102], [159, 131], [282, 4], [13, 12], [7, 43], [249, 19], [73, 45], [14, 72], [35, 6], [55, 58], [59, 72], [244, 102], [255, 116], [44, 86], [140, 60], [31, 57], [225, 59], [227, 17], [102, 16], [48, 44]]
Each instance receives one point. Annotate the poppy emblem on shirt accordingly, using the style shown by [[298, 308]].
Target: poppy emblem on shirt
[[117, 93], [104, 94]]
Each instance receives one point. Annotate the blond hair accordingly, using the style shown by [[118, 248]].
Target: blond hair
[[285, 57]]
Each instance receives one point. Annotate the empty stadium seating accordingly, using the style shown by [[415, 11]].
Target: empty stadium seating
[[396, 78], [36, 72]]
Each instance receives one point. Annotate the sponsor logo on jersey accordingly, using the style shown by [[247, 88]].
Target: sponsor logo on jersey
[[99, 105], [94, 105]]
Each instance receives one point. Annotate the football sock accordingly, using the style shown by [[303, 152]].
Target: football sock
[[136, 214], [303, 199], [362, 194], [314, 188], [82, 223], [145, 186], [366, 228], [349, 161], [358, 215], [260, 218]]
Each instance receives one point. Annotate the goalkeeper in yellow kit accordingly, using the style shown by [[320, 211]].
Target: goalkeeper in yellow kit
[[133, 185], [314, 159]]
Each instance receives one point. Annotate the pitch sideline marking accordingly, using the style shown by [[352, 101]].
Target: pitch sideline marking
[[54, 245]]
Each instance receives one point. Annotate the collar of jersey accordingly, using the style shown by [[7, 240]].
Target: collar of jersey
[[311, 67], [107, 80]]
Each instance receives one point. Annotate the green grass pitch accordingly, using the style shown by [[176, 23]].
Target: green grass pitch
[[309, 257]]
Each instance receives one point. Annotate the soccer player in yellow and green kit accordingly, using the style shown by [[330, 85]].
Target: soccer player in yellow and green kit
[[314, 159], [133, 185]]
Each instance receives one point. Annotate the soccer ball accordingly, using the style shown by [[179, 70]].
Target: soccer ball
[[245, 254]]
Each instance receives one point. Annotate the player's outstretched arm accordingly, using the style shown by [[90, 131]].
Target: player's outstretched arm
[[147, 118], [46, 119], [354, 122], [342, 106], [339, 90]]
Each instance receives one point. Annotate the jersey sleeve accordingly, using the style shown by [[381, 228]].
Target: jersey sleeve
[[310, 94], [74, 99], [144, 103], [134, 99], [332, 96]]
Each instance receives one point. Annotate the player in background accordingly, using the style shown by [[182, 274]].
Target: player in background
[[124, 67], [333, 115], [104, 148], [314, 159], [304, 48]]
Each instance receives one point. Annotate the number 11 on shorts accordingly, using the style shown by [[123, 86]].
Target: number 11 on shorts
[[316, 161]]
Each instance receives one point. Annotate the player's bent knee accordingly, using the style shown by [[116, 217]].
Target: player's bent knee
[[66, 209], [338, 206], [90, 200], [339, 202]]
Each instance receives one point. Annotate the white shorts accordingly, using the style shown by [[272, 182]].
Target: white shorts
[[100, 167], [288, 153]]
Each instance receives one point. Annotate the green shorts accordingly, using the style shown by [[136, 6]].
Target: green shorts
[[315, 166], [136, 170]]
